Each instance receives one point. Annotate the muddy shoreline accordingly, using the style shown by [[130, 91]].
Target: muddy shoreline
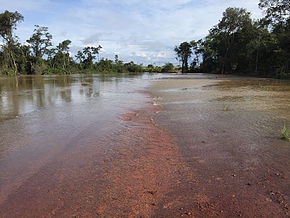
[[200, 147]]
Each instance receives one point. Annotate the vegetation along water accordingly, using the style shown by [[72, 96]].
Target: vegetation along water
[[237, 44], [210, 142]]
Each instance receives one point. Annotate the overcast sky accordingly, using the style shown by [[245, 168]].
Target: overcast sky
[[144, 31]]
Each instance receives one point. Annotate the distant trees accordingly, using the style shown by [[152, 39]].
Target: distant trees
[[88, 55], [61, 57], [38, 56], [184, 52], [39, 44], [167, 68], [40, 41], [238, 44]]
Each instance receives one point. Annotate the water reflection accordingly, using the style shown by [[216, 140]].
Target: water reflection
[[35, 92]]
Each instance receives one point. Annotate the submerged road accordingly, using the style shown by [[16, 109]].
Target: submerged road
[[191, 146]]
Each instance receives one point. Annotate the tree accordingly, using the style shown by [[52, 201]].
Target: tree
[[62, 58], [133, 68], [195, 50], [40, 41], [277, 11], [278, 17], [184, 52], [80, 58], [225, 44], [89, 55], [169, 67], [233, 29], [105, 65], [8, 21]]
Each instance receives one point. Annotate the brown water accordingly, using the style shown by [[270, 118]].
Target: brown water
[[83, 146], [46, 118]]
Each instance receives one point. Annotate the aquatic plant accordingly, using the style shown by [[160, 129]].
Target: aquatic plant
[[84, 83], [285, 134], [226, 107]]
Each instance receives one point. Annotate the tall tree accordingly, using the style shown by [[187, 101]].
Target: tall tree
[[62, 57], [195, 50], [80, 58], [89, 55], [184, 52], [226, 41], [278, 16], [40, 41], [8, 21], [277, 11], [235, 21]]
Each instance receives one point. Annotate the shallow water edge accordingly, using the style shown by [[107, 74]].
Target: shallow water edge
[[161, 147]]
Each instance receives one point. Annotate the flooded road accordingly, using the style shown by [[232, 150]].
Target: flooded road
[[144, 146], [57, 135]]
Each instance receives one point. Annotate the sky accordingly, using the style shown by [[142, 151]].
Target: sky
[[143, 31]]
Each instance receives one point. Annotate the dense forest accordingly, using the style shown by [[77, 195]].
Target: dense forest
[[241, 45], [236, 45]]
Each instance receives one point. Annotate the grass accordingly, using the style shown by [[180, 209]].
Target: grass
[[285, 134], [226, 107], [265, 87]]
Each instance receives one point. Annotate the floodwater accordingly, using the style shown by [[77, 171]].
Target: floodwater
[[144, 146], [228, 135], [39, 93], [47, 121]]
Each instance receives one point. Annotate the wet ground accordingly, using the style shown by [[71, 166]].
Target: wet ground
[[185, 146], [228, 135]]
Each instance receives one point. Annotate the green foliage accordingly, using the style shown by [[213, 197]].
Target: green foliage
[[239, 45], [226, 107], [87, 56], [277, 11], [59, 57], [39, 67], [223, 49], [184, 52], [285, 134], [24, 59], [152, 69], [131, 67], [40, 41], [8, 21], [168, 68]]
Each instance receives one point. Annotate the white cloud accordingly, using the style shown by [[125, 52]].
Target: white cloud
[[148, 29]]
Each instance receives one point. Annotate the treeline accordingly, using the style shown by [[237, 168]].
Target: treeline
[[38, 56], [241, 45]]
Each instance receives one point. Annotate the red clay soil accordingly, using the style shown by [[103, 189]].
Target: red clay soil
[[237, 165], [148, 172], [128, 180]]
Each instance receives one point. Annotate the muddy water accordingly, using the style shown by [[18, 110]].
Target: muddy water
[[228, 134], [57, 135], [197, 146]]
